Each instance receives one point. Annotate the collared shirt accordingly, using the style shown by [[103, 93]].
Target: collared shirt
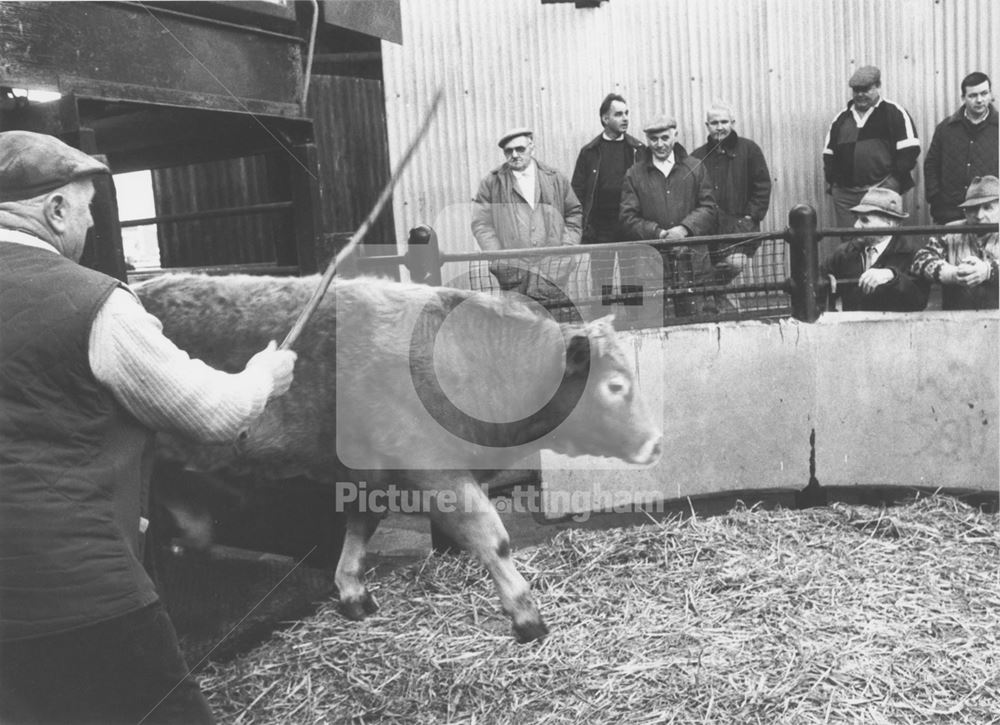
[[526, 183], [604, 135], [872, 252], [157, 382], [666, 165], [861, 118], [971, 120]]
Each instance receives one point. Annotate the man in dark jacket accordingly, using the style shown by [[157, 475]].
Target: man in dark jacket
[[873, 142], [742, 185], [86, 375], [597, 182], [667, 195], [964, 146], [873, 272]]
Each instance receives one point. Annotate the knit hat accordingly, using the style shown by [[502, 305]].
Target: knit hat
[[982, 190], [881, 200], [32, 164]]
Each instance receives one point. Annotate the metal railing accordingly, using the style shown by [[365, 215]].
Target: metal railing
[[655, 283]]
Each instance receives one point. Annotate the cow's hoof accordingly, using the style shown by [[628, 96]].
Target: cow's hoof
[[358, 609], [530, 631]]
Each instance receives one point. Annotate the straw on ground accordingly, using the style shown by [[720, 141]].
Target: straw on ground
[[844, 614]]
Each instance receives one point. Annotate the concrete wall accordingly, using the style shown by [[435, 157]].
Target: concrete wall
[[893, 399]]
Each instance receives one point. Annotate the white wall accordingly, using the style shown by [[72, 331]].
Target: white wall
[[894, 400]]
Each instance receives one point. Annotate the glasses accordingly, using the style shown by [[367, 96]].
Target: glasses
[[511, 149]]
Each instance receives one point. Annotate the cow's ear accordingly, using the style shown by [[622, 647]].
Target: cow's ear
[[578, 354]]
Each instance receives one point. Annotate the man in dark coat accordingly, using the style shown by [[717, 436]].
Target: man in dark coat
[[667, 195], [964, 146], [742, 185], [873, 272], [597, 182]]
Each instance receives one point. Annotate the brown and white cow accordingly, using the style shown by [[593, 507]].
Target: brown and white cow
[[412, 386]]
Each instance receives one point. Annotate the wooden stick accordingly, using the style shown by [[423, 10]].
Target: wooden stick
[[324, 282]]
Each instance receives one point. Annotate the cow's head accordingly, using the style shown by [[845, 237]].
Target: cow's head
[[609, 417]]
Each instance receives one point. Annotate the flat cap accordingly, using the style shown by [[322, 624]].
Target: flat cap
[[32, 164], [865, 76], [982, 190], [514, 133], [659, 124], [881, 200]]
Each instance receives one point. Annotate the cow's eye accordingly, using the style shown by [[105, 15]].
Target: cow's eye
[[616, 388]]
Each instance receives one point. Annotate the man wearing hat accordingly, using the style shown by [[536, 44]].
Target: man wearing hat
[[872, 272], [86, 375], [872, 142], [966, 264], [668, 195], [524, 203]]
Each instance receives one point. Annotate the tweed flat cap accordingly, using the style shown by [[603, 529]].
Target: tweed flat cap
[[865, 76], [660, 124], [883, 201], [32, 164], [982, 190], [514, 133]]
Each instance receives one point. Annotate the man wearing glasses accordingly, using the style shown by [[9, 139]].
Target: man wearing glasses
[[525, 204]]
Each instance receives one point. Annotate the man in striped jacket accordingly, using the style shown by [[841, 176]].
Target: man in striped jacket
[[872, 142]]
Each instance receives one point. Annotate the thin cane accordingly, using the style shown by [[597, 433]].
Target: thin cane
[[324, 282]]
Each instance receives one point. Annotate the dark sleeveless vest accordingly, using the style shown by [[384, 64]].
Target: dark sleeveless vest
[[74, 464]]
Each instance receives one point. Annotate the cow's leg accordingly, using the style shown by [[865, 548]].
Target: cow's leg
[[463, 511], [355, 601]]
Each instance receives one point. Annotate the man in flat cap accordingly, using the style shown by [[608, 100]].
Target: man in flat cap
[[964, 145], [523, 204], [667, 195], [872, 272], [872, 142], [86, 375], [966, 264]]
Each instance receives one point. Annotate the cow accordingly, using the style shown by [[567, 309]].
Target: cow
[[412, 386]]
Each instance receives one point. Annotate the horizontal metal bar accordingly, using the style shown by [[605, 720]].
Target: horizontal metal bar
[[386, 259], [262, 268], [210, 214], [927, 229]]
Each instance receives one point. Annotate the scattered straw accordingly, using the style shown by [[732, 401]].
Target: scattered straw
[[845, 614]]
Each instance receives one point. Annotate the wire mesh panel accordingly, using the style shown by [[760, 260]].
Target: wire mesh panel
[[645, 284]]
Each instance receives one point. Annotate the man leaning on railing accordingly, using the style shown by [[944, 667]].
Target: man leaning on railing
[[966, 264]]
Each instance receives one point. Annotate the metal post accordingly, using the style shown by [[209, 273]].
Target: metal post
[[802, 239], [423, 257]]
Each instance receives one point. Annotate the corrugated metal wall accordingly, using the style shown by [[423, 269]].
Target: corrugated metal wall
[[783, 64], [349, 118]]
